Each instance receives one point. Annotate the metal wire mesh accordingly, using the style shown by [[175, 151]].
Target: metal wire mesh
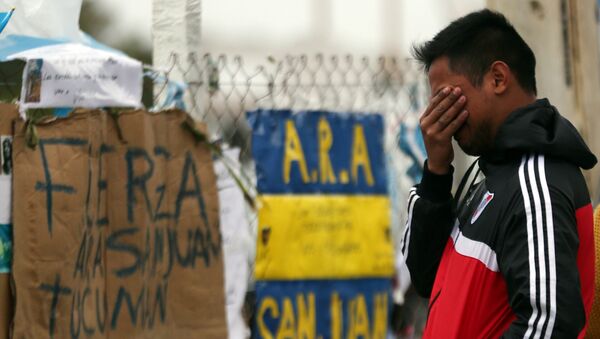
[[219, 89]]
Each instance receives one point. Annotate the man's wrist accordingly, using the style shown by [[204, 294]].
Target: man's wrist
[[436, 187], [438, 169]]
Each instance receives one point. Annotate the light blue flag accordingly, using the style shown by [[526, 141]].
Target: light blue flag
[[4, 18], [410, 141]]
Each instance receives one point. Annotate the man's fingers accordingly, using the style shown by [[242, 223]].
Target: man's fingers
[[447, 102], [436, 100], [451, 112], [455, 124], [441, 108]]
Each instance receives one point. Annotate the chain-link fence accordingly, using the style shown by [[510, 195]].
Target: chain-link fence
[[220, 89]]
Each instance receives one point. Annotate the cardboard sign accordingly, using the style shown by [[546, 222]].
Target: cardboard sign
[[324, 257], [117, 231]]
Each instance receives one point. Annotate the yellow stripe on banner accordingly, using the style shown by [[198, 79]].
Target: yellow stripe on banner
[[323, 237]]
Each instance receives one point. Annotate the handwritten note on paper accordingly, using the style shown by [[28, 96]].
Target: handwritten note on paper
[[73, 75]]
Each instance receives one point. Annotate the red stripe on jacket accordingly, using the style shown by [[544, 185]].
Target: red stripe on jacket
[[585, 256]]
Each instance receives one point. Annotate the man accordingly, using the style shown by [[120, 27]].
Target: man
[[515, 257]]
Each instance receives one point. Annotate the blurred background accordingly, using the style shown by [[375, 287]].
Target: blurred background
[[219, 59], [256, 28], [225, 57], [562, 33], [126, 26]]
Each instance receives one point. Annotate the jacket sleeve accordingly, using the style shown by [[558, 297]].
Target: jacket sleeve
[[428, 227], [538, 259]]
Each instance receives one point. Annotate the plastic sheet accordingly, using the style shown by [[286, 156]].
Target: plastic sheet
[[44, 18]]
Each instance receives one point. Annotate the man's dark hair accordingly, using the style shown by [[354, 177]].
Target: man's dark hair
[[473, 42]]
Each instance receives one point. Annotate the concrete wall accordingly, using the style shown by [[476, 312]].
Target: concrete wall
[[564, 37]]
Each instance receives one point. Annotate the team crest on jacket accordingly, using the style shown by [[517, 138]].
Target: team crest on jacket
[[487, 197]]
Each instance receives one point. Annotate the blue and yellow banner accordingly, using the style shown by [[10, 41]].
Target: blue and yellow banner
[[318, 152], [324, 257], [323, 309], [323, 236]]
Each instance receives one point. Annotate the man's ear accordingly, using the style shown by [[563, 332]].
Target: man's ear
[[499, 76]]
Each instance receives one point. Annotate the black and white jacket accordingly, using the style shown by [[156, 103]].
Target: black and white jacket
[[515, 259]]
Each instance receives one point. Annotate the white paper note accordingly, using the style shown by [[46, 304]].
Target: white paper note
[[74, 75]]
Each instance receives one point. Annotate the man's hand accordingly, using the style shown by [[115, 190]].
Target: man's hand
[[442, 118]]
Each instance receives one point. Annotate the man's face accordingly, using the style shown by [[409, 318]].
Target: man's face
[[474, 137]]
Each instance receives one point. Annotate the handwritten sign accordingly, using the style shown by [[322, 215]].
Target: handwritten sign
[[73, 75], [324, 254], [117, 230]]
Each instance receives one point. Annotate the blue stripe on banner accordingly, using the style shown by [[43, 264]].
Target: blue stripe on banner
[[318, 152], [357, 308], [6, 240]]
